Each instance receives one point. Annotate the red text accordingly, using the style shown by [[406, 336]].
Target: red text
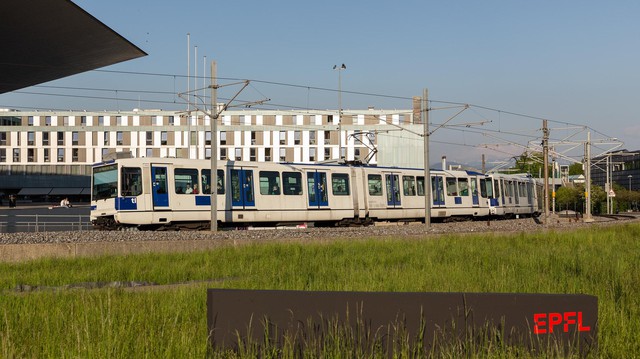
[[544, 323]]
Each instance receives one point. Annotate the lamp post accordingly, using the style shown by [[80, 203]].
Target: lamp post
[[340, 68], [630, 176]]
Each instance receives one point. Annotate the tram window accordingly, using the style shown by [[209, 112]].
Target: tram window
[[186, 180], [340, 184], [131, 181], [292, 182], [486, 188], [496, 186], [409, 185], [463, 185], [420, 185], [452, 187], [269, 183], [375, 185], [206, 182]]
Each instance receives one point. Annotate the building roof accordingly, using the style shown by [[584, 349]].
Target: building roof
[[50, 39]]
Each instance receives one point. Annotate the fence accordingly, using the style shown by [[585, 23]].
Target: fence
[[43, 223]]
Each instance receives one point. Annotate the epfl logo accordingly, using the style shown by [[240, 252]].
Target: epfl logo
[[545, 322]]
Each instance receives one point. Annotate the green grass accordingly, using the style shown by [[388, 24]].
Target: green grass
[[171, 321]]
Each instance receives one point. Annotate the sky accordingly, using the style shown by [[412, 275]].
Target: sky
[[575, 63]]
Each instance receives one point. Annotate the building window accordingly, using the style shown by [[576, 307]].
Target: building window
[[223, 138], [105, 152], [312, 137], [3, 155], [45, 138], [223, 154], [312, 154], [16, 155], [329, 119], [283, 137], [46, 155], [119, 138], [60, 138], [3, 138], [252, 154], [163, 138], [327, 153], [296, 137], [327, 137], [149, 138], [207, 138], [253, 137], [30, 121], [238, 155], [119, 120], [207, 153], [83, 120], [74, 155], [31, 138], [60, 154], [171, 120], [106, 139], [283, 155], [149, 152], [267, 155], [31, 156], [65, 120], [74, 138], [356, 154], [47, 121], [100, 120], [194, 138]]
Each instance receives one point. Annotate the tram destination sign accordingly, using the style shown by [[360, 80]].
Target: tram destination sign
[[537, 322]]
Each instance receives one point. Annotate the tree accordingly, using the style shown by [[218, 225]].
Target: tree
[[576, 169], [530, 163], [567, 197]]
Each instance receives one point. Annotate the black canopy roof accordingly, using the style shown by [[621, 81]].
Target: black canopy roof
[[44, 40]]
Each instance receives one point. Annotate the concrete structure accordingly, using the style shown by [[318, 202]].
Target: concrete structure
[[45, 150]]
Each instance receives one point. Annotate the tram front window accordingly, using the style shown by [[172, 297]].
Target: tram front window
[[105, 182]]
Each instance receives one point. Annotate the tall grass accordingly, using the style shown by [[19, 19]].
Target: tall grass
[[170, 321]]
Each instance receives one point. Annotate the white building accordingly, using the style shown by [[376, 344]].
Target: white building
[[38, 149]]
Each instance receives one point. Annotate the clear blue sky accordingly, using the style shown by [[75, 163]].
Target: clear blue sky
[[567, 61]]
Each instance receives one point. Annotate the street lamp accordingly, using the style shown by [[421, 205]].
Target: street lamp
[[340, 68]]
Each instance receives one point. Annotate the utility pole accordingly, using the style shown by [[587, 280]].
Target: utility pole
[[545, 156], [553, 181], [587, 185], [214, 147], [427, 172], [484, 164], [607, 185]]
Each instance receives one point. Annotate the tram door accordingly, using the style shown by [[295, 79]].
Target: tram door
[[242, 194], [474, 191], [317, 189], [393, 190], [437, 191], [160, 194]]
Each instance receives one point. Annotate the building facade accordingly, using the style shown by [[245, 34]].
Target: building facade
[[48, 149], [623, 166]]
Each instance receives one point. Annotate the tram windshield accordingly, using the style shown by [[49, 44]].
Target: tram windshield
[[105, 182]]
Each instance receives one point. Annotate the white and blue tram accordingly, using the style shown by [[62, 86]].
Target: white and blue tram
[[169, 193]]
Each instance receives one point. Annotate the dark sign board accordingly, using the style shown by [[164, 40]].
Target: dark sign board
[[537, 322]]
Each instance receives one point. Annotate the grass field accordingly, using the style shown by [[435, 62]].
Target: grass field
[[170, 320]]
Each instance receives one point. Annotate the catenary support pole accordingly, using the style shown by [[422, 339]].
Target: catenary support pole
[[214, 148], [587, 182], [427, 172], [545, 156]]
